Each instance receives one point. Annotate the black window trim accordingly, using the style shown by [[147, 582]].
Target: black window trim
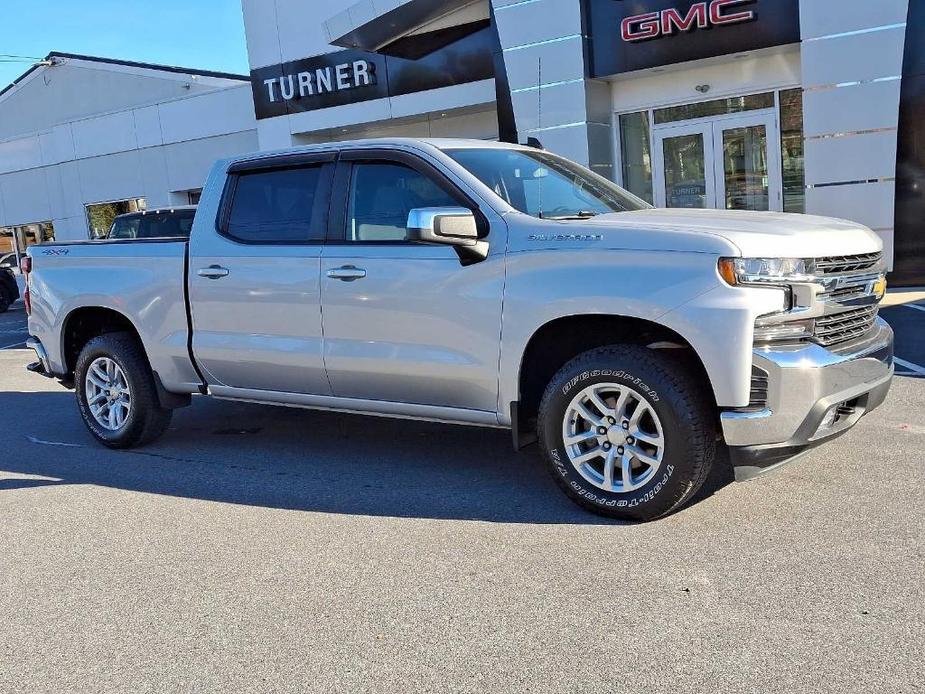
[[337, 219], [326, 160]]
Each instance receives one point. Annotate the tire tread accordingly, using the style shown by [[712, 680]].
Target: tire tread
[[688, 400], [154, 419]]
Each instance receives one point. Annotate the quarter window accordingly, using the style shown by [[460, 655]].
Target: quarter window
[[381, 196], [278, 206]]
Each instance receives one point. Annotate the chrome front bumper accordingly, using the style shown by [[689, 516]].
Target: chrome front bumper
[[814, 393]]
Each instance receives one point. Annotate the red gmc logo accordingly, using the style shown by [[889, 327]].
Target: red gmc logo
[[701, 15]]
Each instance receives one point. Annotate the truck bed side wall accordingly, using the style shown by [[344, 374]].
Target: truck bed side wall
[[142, 281]]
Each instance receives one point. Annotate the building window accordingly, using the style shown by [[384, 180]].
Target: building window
[[717, 154], [635, 146], [791, 141], [7, 245], [101, 215], [717, 107], [15, 240], [194, 196]]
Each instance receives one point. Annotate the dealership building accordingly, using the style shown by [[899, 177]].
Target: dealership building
[[814, 106]]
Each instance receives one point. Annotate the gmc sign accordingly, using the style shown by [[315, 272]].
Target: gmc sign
[[625, 35], [700, 15]]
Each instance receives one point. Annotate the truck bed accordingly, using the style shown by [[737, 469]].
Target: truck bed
[[141, 279]]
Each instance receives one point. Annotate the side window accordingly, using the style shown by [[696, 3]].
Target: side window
[[125, 228], [381, 196], [165, 225], [278, 205]]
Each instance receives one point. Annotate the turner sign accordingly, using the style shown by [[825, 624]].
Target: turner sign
[[330, 78], [700, 15], [353, 76]]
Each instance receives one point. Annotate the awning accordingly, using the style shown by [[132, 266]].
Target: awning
[[373, 25]]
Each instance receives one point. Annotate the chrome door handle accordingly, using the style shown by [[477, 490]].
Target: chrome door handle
[[213, 272], [347, 273]]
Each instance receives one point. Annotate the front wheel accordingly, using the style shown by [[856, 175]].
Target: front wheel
[[116, 393], [627, 432]]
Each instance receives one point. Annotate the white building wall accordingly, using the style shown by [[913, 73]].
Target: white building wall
[[152, 152], [74, 89], [776, 68], [544, 54], [852, 56]]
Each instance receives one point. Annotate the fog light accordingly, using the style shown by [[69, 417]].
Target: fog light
[[767, 331]]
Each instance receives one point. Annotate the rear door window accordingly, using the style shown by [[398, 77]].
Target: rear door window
[[279, 205]]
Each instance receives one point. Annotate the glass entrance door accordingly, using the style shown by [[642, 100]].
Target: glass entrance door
[[683, 174], [724, 163]]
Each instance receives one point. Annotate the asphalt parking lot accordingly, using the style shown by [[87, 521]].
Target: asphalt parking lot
[[270, 549]]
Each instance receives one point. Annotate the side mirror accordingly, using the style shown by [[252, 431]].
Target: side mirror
[[448, 226], [451, 226]]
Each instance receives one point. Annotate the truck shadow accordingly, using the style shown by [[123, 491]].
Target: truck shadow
[[295, 459]]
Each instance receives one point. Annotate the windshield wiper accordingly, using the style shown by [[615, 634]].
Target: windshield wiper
[[580, 214]]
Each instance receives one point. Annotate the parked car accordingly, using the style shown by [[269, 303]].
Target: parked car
[[9, 261], [9, 290], [169, 222], [485, 284]]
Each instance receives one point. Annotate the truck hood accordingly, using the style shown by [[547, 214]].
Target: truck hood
[[754, 234]]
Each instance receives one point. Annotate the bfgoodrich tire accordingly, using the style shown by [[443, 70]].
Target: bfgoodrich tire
[[116, 393], [627, 432]]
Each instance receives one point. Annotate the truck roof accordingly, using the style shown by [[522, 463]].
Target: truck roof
[[393, 142], [158, 210]]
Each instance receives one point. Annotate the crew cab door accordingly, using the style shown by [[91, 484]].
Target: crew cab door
[[406, 321], [254, 277]]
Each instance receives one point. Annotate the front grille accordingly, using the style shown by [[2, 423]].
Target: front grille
[[840, 327], [853, 291], [837, 264]]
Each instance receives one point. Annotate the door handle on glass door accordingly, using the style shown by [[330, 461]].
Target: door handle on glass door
[[347, 273], [213, 272]]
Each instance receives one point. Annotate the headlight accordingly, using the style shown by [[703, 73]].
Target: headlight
[[737, 271]]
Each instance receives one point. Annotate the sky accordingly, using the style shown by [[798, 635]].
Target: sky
[[204, 34]]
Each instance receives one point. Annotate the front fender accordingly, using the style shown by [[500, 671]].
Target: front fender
[[681, 291]]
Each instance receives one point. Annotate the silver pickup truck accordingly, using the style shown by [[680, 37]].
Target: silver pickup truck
[[483, 284]]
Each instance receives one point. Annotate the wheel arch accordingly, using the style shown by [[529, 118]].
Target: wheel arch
[[84, 323], [560, 339]]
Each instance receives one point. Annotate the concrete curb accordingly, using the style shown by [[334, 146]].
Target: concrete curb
[[905, 295]]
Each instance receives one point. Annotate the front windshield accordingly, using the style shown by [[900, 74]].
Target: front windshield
[[545, 185]]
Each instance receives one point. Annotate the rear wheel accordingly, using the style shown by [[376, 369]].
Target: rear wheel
[[627, 432], [116, 393]]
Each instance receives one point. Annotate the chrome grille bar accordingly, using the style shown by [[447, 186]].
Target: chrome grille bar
[[847, 325], [837, 264]]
